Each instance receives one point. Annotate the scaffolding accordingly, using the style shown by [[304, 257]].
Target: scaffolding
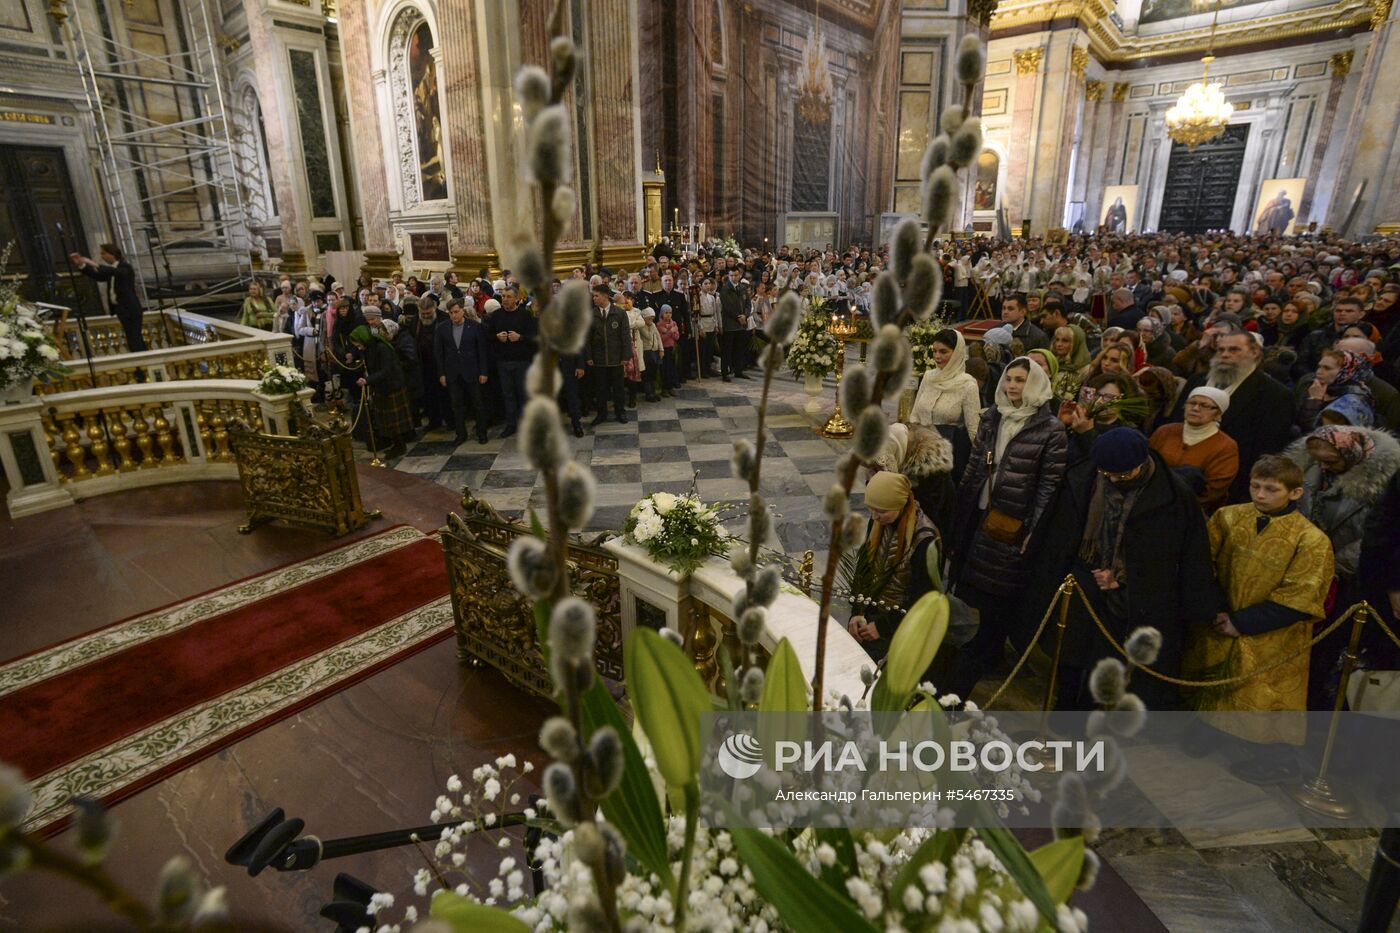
[[169, 179]]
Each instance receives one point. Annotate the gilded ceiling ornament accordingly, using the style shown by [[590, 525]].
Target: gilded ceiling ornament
[[1120, 92], [1093, 90], [1028, 60], [1341, 63], [58, 10], [1079, 60]]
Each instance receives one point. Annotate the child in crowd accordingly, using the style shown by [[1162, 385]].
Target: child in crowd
[[1275, 568], [651, 353], [670, 333]]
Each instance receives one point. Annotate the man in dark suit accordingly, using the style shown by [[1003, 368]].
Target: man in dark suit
[[459, 349], [609, 346], [122, 299], [1013, 312], [734, 319], [680, 313], [1260, 417]]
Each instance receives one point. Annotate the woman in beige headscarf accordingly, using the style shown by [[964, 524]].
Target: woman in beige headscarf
[[949, 399], [899, 536]]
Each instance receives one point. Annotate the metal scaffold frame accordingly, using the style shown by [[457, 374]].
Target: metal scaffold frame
[[150, 168]]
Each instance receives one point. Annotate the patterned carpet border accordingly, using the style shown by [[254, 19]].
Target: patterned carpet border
[[140, 759], [85, 649]]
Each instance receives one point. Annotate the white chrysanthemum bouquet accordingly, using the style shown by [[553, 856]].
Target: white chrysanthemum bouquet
[[281, 380], [26, 350], [813, 351], [679, 531]]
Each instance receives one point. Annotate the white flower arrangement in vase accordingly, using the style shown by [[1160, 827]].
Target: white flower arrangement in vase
[[27, 351], [679, 531], [282, 380]]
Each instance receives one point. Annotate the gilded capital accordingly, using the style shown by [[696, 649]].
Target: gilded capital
[[1079, 60], [1093, 90], [1341, 63], [1028, 60], [58, 11], [1120, 92]]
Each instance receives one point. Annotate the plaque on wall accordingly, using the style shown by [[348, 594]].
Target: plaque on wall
[[274, 247], [429, 247]]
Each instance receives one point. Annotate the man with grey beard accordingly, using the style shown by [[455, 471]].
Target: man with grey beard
[[1260, 417]]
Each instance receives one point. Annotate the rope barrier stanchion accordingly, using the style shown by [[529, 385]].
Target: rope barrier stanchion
[[1318, 794], [1063, 594], [367, 402], [1025, 655]]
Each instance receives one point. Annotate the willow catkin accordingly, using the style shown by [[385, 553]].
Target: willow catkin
[[563, 204], [577, 490], [951, 119], [967, 143], [885, 349], [972, 62], [938, 193], [573, 628], [924, 287], [541, 438], [547, 146], [564, 57], [904, 246], [871, 431], [855, 389], [786, 315], [532, 88], [935, 155], [885, 304]]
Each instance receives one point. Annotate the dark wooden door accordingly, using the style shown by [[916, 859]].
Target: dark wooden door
[[37, 197], [1201, 185]]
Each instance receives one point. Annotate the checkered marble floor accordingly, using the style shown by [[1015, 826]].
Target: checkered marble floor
[[666, 446]]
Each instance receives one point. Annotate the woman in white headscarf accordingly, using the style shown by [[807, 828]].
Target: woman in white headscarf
[[1017, 464], [949, 399]]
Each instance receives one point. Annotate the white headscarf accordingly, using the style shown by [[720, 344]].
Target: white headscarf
[[941, 379], [1014, 417]]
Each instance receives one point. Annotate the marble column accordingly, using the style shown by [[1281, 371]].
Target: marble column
[[268, 59], [1025, 96], [1117, 111], [612, 41], [1064, 100], [1341, 67], [1090, 138], [1373, 152], [381, 256], [466, 133], [1098, 153]]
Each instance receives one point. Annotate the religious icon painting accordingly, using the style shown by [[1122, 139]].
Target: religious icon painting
[[1276, 211], [1120, 209]]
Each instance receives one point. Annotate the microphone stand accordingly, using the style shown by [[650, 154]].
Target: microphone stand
[[77, 303]]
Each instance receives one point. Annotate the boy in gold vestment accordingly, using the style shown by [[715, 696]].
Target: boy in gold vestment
[[1275, 568]]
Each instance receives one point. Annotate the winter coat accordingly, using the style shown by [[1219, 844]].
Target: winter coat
[[926, 458], [406, 347], [1166, 554], [1260, 419], [1025, 482], [610, 338], [1341, 509], [382, 369]]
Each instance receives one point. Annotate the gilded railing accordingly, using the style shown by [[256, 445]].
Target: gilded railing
[[102, 440], [495, 624], [182, 346]]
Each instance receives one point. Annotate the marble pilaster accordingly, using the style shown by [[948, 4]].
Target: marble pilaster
[[370, 175], [612, 41], [1025, 96], [466, 135], [1373, 153], [267, 59]]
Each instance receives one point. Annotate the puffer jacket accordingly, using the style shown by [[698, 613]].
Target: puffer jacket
[[1026, 479], [1342, 508]]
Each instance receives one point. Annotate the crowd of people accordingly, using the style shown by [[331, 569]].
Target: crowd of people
[[1198, 428]]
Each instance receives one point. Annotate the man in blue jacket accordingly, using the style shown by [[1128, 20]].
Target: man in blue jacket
[[459, 348]]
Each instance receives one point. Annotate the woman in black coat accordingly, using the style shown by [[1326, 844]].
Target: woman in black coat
[[1163, 575], [1017, 464]]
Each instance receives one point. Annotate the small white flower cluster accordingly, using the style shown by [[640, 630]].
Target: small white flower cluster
[[26, 351], [281, 380]]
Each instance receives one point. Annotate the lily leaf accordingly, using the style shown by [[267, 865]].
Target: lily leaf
[[1060, 863], [669, 698], [466, 916], [633, 807], [784, 686], [805, 904], [839, 838], [1018, 864]]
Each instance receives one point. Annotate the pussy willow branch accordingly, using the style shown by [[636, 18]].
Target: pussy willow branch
[[92, 877], [770, 366], [847, 479], [967, 112]]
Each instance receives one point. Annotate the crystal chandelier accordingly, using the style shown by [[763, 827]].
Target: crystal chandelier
[[814, 93], [1202, 113]]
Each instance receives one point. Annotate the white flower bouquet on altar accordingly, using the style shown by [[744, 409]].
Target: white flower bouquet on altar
[[282, 380], [679, 531], [813, 351], [26, 351]]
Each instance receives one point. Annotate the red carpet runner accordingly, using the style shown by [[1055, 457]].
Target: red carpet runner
[[154, 706]]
